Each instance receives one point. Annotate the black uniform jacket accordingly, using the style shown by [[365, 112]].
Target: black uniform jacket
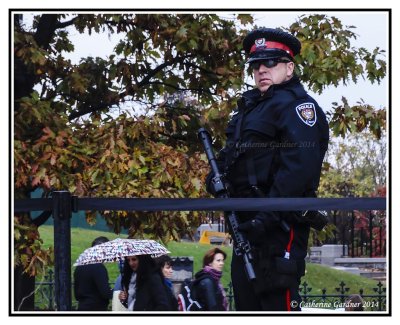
[[281, 136], [286, 133]]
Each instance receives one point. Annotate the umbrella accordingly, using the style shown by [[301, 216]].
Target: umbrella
[[115, 250]]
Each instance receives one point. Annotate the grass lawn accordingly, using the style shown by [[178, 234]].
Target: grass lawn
[[317, 276]]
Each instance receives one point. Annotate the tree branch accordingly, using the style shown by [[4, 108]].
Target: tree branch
[[142, 83], [197, 90], [190, 64], [89, 109], [42, 218], [66, 23], [153, 72]]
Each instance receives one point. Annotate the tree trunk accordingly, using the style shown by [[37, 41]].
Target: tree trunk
[[24, 76], [24, 285]]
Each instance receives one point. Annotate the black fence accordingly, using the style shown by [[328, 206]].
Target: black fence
[[62, 204], [361, 234], [337, 299], [45, 296]]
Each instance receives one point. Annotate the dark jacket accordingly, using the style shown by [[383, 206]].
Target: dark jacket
[[172, 301], [282, 137], [207, 292], [92, 290], [151, 294], [287, 149]]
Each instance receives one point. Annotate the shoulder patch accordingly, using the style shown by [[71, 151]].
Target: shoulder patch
[[307, 113]]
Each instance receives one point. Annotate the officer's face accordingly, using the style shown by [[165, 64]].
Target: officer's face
[[218, 262], [265, 77]]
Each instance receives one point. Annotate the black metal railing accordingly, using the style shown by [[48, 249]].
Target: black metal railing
[[44, 297], [367, 240], [44, 293], [359, 239], [337, 299]]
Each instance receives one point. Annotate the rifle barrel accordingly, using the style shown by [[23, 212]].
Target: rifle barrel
[[242, 245]]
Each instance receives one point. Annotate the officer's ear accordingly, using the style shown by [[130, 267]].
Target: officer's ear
[[289, 68]]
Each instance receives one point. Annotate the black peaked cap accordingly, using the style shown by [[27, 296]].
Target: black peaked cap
[[274, 35]]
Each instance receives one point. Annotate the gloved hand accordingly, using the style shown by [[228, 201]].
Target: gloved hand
[[253, 229], [209, 187]]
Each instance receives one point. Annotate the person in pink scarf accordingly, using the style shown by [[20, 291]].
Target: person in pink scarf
[[211, 294]]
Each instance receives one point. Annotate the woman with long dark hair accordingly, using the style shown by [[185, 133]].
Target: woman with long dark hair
[[142, 285]]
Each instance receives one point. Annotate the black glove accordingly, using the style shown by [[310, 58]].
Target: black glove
[[253, 229], [209, 187]]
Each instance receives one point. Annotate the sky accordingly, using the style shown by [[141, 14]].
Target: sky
[[370, 30]]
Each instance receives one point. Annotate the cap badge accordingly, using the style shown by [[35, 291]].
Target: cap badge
[[307, 114], [260, 42]]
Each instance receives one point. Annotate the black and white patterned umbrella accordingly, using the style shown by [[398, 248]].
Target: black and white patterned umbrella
[[115, 250]]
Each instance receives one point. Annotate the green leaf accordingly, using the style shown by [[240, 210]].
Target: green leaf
[[182, 32]]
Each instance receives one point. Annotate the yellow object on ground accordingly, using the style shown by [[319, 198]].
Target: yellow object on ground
[[206, 235]]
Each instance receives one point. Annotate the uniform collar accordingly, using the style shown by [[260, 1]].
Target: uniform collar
[[255, 96]]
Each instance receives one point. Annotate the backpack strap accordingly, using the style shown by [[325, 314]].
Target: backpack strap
[[187, 299]]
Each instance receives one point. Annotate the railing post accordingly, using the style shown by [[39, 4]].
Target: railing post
[[370, 233], [343, 290], [324, 295], [62, 249], [335, 230], [344, 240], [352, 239], [380, 291], [362, 242]]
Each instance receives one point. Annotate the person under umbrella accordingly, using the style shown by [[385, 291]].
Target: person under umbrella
[[142, 284]]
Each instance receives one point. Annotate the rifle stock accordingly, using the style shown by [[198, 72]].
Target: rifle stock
[[242, 246]]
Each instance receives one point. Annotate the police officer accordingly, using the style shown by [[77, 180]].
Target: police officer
[[276, 141]]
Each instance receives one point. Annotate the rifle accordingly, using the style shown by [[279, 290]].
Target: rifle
[[242, 245]]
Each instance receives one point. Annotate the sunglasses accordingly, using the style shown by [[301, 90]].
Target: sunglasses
[[269, 63]]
